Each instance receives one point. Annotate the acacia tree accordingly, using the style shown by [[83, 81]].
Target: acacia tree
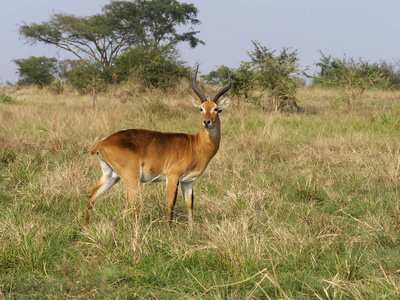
[[120, 25], [154, 23]]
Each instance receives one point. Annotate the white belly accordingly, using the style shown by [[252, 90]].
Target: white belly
[[191, 176], [148, 177]]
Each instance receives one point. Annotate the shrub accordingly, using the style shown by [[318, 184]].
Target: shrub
[[154, 67], [56, 87], [242, 81], [86, 78], [276, 73], [36, 70], [7, 99], [352, 76]]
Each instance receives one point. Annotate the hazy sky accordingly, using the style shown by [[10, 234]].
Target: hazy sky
[[368, 28]]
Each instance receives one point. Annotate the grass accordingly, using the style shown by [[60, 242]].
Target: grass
[[293, 206]]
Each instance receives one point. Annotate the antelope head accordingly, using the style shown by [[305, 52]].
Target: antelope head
[[210, 109]]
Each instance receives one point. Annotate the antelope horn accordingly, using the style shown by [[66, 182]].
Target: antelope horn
[[196, 89], [223, 90]]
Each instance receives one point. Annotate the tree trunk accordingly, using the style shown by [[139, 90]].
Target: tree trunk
[[94, 92], [275, 103]]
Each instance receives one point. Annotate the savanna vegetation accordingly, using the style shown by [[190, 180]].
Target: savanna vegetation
[[293, 206], [301, 205], [128, 38]]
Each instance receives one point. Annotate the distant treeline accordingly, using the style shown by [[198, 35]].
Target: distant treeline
[[157, 67], [278, 74], [137, 40]]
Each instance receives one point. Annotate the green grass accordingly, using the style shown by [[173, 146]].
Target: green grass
[[293, 206]]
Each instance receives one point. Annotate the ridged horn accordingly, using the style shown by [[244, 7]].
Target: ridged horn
[[224, 89], [196, 89]]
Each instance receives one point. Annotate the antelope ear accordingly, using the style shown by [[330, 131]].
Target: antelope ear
[[195, 103], [224, 104]]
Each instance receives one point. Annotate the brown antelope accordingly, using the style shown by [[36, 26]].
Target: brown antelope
[[140, 155]]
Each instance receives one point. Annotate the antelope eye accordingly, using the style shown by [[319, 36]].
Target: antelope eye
[[216, 109], [201, 109]]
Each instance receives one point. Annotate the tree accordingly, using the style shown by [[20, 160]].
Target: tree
[[121, 24], [36, 70], [276, 73], [97, 40], [154, 23]]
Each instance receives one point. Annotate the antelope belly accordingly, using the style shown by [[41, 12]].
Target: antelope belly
[[191, 176], [147, 177]]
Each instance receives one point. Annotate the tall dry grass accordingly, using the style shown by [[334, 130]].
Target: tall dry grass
[[293, 206]]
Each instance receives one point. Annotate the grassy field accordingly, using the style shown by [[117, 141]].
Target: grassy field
[[293, 206]]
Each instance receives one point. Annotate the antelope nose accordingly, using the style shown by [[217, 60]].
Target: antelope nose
[[206, 123]]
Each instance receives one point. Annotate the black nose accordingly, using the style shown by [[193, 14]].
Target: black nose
[[206, 123]]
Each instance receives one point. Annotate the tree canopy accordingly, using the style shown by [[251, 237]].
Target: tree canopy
[[121, 24]]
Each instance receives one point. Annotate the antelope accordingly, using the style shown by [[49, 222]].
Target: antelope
[[140, 155]]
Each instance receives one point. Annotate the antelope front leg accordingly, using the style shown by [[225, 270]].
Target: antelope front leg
[[172, 190], [187, 190]]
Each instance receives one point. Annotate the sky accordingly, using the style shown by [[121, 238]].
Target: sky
[[355, 28]]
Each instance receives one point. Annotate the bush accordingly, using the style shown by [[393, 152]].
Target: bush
[[277, 73], [242, 79], [389, 75], [337, 72], [85, 78], [7, 99], [56, 87], [36, 70], [242, 82], [154, 67], [352, 76]]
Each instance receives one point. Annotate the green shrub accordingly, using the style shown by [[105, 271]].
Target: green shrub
[[7, 99], [154, 67], [36, 70], [84, 77], [278, 74], [352, 76]]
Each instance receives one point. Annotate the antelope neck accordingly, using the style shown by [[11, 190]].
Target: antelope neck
[[209, 139]]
